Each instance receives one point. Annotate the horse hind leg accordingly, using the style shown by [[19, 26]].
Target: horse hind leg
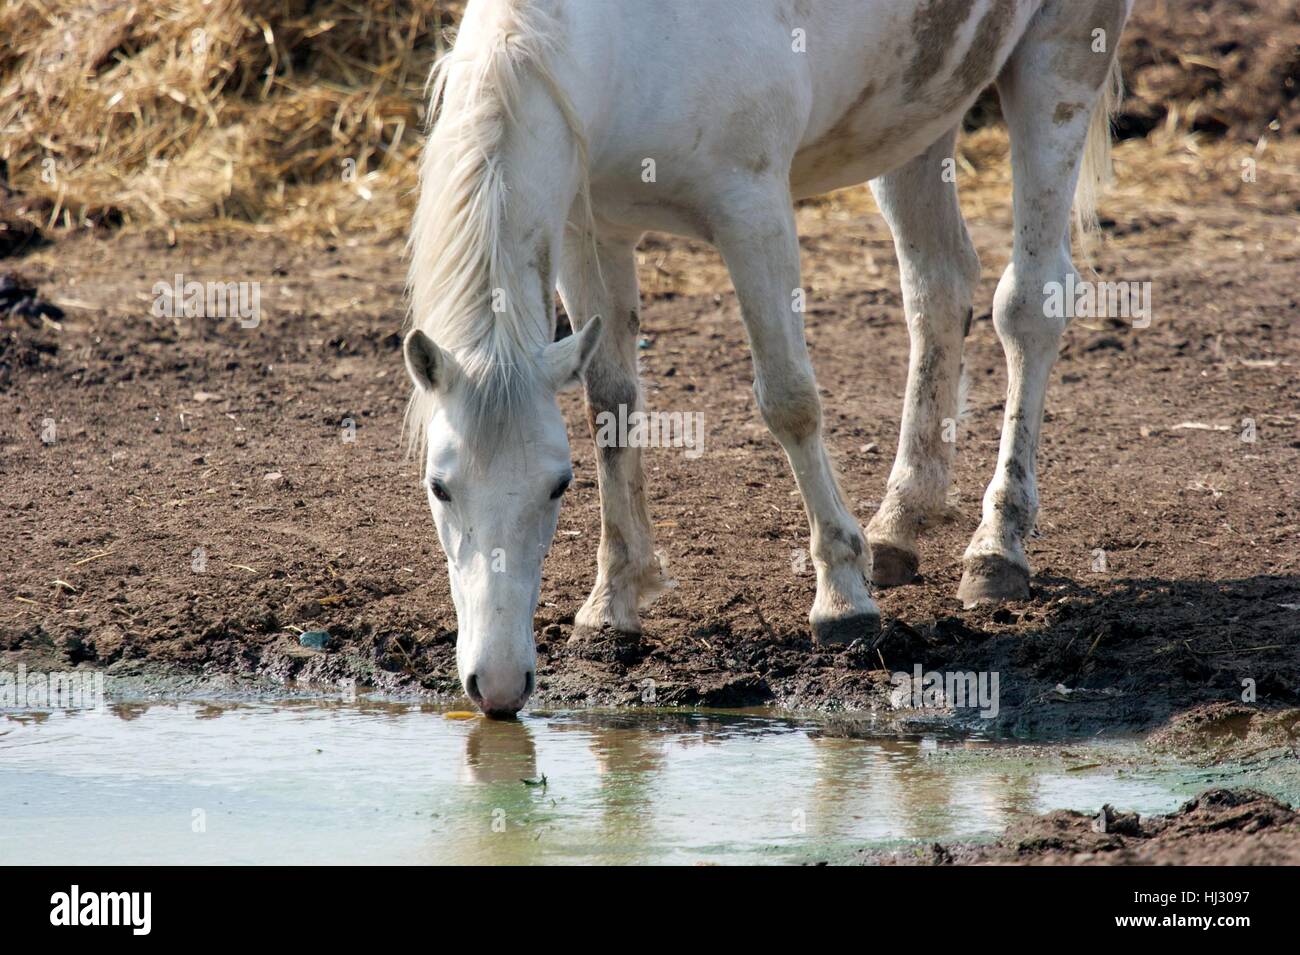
[[1050, 89], [939, 272]]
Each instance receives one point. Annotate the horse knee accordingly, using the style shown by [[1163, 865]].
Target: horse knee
[[609, 387], [790, 406], [944, 280], [939, 309]]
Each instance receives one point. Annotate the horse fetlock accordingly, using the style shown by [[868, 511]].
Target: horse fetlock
[[617, 597], [1011, 511], [894, 531], [905, 513], [840, 547], [652, 582]]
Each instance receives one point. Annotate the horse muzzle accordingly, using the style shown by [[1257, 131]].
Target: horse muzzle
[[500, 692]]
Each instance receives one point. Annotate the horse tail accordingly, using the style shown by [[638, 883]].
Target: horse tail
[[1095, 173]]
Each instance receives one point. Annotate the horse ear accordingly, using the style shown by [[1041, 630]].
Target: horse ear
[[428, 365], [565, 360]]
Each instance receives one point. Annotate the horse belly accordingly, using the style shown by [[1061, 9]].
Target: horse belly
[[871, 150]]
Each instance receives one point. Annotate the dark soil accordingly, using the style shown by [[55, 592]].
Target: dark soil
[[175, 440], [1220, 67], [1221, 732], [189, 494]]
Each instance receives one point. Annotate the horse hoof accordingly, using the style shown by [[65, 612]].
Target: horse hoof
[[989, 578], [892, 566], [843, 630]]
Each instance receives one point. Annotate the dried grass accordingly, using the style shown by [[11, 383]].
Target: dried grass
[[275, 116]]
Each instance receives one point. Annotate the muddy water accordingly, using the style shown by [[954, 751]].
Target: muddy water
[[302, 783]]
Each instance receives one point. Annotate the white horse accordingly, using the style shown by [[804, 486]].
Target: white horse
[[549, 115]]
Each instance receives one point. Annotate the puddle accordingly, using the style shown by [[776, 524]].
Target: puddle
[[380, 783]]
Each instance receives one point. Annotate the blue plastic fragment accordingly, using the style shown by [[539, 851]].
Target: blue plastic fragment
[[315, 639]]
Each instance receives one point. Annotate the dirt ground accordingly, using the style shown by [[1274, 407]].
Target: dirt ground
[[198, 504]]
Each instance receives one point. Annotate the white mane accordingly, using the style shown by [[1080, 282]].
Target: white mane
[[456, 249]]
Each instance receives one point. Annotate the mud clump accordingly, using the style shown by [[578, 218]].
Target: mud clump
[[19, 300], [608, 646], [1223, 826], [17, 235], [1220, 732], [28, 323], [1218, 827], [1108, 820]]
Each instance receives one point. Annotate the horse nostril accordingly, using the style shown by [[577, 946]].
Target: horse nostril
[[471, 687], [528, 683]]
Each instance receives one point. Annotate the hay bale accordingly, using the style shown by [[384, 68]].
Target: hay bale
[[186, 111]]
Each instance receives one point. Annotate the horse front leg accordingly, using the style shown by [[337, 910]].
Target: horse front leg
[[757, 239], [600, 279]]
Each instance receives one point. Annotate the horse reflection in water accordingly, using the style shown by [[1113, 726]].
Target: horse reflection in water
[[500, 753], [629, 754], [907, 782], [850, 782]]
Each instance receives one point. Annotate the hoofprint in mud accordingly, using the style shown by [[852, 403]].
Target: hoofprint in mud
[[565, 131]]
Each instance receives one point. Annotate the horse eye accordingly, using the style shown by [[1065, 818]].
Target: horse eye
[[439, 491], [560, 489]]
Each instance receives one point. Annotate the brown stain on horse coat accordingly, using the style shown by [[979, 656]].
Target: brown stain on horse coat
[[934, 29]]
